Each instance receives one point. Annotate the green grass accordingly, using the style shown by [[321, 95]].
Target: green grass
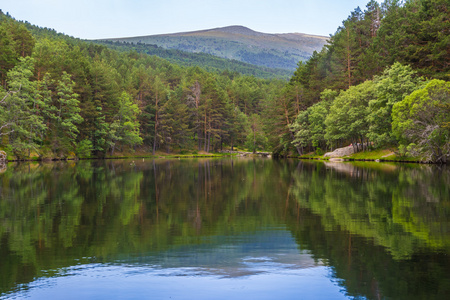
[[378, 154], [375, 154], [313, 156]]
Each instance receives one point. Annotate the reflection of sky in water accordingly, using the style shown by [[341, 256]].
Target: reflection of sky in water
[[118, 282], [265, 265]]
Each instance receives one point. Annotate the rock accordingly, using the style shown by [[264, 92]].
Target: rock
[[340, 152], [3, 156]]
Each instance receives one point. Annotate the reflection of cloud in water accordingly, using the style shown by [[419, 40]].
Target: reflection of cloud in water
[[228, 257], [107, 281]]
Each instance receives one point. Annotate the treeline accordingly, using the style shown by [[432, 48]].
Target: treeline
[[63, 97], [206, 61], [379, 82]]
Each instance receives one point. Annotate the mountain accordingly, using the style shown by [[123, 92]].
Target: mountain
[[282, 51], [206, 61]]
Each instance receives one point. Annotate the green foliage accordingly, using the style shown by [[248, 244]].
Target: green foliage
[[420, 122], [84, 149], [66, 115], [23, 111], [416, 33], [206, 61], [60, 91], [392, 46], [78, 97], [125, 128], [391, 87], [347, 119], [256, 139], [309, 127]]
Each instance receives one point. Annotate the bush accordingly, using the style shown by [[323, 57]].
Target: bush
[[84, 149]]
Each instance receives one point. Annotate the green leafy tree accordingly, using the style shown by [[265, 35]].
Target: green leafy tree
[[175, 121], [302, 135], [256, 139], [125, 128], [391, 87], [309, 127], [239, 126], [347, 119], [421, 120]]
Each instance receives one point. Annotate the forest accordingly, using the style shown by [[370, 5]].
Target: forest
[[381, 81], [206, 61]]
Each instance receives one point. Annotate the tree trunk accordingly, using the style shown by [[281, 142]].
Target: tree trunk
[[348, 57], [254, 140], [209, 142]]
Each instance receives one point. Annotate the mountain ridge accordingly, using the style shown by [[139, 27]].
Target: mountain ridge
[[273, 50]]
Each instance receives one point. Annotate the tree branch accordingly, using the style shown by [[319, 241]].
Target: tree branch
[[6, 96]]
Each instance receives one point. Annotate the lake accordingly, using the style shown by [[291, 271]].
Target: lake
[[224, 229]]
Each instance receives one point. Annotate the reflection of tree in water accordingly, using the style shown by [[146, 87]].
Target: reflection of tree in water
[[373, 251], [53, 214], [355, 199], [367, 270], [102, 208]]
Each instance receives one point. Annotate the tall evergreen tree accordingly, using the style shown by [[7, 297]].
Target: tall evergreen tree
[[124, 130], [67, 116], [27, 119]]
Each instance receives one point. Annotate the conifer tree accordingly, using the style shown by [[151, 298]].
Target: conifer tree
[[124, 130], [25, 116], [67, 116]]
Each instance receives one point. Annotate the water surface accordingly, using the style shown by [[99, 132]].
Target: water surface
[[224, 228]]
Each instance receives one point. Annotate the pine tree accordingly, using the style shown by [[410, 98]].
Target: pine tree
[[8, 56], [67, 116], [25, 116], [125, 128]]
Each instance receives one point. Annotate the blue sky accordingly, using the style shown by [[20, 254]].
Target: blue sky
[[91, 19]]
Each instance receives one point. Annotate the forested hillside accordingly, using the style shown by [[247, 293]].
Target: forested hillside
[[381, 81], [62, 97], [280, 51], [208, 62]]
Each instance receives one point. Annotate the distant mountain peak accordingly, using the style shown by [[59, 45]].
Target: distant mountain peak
[[238, 29], [282, 51], [232, 30]]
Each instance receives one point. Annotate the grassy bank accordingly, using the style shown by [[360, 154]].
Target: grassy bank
[[382, 155], [122, 155]]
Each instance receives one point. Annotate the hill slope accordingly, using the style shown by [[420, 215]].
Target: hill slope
[[240, 43], [208, 62]]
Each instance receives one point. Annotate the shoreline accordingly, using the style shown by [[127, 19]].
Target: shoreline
[[349, 159], [239, 154]]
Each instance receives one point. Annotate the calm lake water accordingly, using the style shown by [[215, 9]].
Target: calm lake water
[[224, 229]]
